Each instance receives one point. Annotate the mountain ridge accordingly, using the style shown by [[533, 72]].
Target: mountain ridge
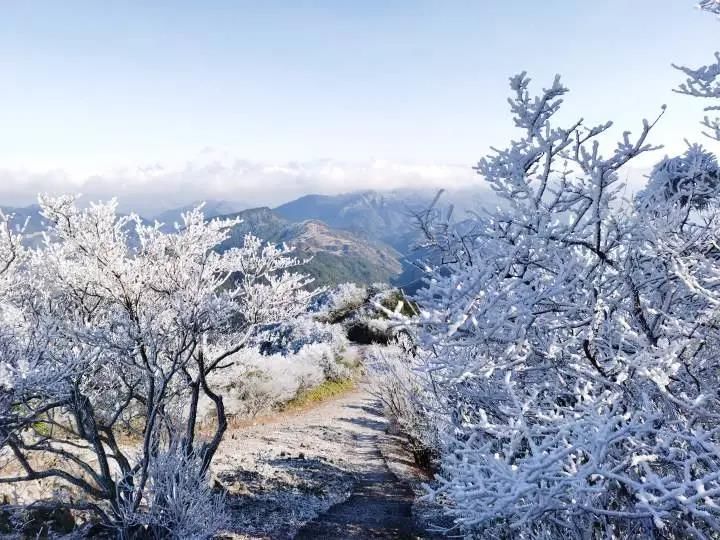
[[335, 255]]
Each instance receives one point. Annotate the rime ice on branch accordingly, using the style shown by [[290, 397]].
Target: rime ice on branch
[[704, 81]]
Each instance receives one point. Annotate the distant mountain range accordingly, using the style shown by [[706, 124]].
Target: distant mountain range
[[384, 217], [363, 237]]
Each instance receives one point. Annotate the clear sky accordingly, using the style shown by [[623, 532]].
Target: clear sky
[[89, 86]]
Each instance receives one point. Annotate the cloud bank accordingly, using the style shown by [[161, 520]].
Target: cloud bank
[[152, 189]]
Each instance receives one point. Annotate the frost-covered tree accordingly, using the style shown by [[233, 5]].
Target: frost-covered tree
[[691, 181], [398, 379], [713, 6], [105, 338], [704, 81], [575, 339]]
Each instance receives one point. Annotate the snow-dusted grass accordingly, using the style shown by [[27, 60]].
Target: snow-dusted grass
[[327, 390]]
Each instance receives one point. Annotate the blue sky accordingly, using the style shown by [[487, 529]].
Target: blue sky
[[85, 86]]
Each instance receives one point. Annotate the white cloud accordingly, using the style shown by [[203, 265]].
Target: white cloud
[[152, 188]]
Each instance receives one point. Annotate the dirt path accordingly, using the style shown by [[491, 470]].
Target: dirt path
[[379, 508], [380, 505], [317, 471]]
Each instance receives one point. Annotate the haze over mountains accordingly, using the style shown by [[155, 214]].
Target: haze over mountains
[[363, 237]]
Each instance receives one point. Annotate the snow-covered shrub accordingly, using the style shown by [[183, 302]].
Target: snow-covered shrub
[[712, 6], [283, 376], [245, 388], [341, 302], [395, 301], [399, 379], [281, 361], [290, 336], [704, 81], [179, 502], [347, 296], [370, 323], [691, 180], [338, 366], [575, 341], [366, 330], [256, 382], [363, 311]]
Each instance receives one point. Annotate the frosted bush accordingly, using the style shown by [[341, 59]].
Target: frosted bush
[[347, 296], [105, 332], [379, 286], [291, 336], [378, 326], [179, 500], [257, 382], [398, 377], [712, 6], [338, 367], [343, 301], [691, 180], [285, 376], [575, 336]]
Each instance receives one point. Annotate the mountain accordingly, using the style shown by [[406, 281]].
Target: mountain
[[337, 255], [340, 256], [387, 217], [363, 237], [384, 216], [262, 222]]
